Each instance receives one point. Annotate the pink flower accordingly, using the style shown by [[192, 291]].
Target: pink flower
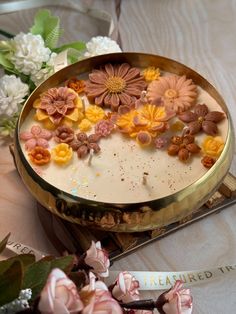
[[104, 128], [59, 295], [97, 259], [126, 288], [160, 142], [36, 137], [175, 301], [99, 299]]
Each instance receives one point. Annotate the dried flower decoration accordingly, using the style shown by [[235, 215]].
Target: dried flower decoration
[[62, 153], [208, 161], [85, 125], [39, 156], [212, 146], [94, 113], [77, 85], [64, 134], [104, 128], [36, 137], [183, 147], [202, 119], [115, 85], [176, 92], [58, 106], [151, 73], [84, 144]]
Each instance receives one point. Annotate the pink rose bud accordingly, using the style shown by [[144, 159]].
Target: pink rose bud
[[98, 259], [126, 288], [175, 301], [59, 295]]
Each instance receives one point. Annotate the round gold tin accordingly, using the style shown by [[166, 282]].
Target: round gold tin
[[125, 217]]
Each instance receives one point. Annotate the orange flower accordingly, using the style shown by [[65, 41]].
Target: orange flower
[[151, 73], [77, 85], [40, 156], [212, 146], [176, 92]]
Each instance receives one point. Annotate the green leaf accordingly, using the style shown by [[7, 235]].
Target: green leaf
[[77, 45], [47, 26], [10, 283], [5, 62], [3, 243], [24, 259], [5, 46], [36, 274]]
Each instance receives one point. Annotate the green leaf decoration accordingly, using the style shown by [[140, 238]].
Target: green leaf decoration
[[5, 62], [47, 26], [36, 274], [5, 46], [24, 259], [10, 283], [77, 45], [3, 243]]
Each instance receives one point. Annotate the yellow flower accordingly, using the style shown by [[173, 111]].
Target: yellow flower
[[62, 153], [212, 146], [125, 122], [71, 115], [177, 126], [151, 74], [85, 125], [94, 113]]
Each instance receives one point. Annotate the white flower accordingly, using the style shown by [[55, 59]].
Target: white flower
[[12, 93], [101, 45], [29, 53], [44, 73], [19, 304]]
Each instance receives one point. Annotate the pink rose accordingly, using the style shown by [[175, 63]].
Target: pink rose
[[59, 295], [126, 288], [176, 300], [97, 259], [99, 299]]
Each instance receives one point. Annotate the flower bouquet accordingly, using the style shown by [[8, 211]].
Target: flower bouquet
[[29, 59], [77, 284]]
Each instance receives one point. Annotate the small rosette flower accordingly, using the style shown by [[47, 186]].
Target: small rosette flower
[[62, 153], [39, 156], [213, 146], [59, 295], [36, 137], [126, 288], [98, 259]]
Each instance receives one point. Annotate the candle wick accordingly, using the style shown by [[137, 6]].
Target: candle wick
[[90, 158], [145, 174]]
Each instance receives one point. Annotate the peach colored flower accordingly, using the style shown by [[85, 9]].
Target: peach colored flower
[[59, 295], [175, 301], [115, 85], [58, 106], [98, 259], [64, 134], [176, 92], [39, 156], [151, 73], [77, 85], [104, 128], [62, 153], [36, 137], [126, 288], [213, 146]]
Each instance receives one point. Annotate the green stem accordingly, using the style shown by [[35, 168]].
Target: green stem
[[6, 34]]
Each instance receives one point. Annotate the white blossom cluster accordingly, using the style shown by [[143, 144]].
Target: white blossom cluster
[[12, 94], [19, 304], [101, 45]]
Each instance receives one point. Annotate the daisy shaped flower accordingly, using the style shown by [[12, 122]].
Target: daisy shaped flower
[[202, 119], [115, 85], [176, 92], [84, 144], [36, 137]]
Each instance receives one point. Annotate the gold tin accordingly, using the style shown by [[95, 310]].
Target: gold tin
[[125, 217]]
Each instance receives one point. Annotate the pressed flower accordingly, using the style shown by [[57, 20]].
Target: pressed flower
[[151, 73], [84, 144], [62, 153], [94, 113], [183, 147], [77, 85], [104, 128], [58, 106], [212, 146], [176, 92], [85, 125], [202, 119], [115, 85], [36, 137], [40, 156], [64, 134]]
